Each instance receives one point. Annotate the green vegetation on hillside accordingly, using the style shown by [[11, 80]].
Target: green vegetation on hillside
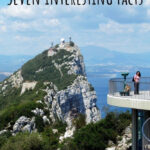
[[45, 140], [12, 113], [12, 96], [26, 141], [92, 136], [80, 121], [13, 105], [96, 136], [30, 70]]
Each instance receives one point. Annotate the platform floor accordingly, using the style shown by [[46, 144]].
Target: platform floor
[[142, 95]]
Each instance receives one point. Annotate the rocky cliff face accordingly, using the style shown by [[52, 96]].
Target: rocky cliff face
[[77, 98], [56, 85]]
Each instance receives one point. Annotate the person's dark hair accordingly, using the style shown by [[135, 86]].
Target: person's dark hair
[[138, 72]]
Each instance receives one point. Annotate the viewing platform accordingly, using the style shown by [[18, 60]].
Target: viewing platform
[[121, 93]]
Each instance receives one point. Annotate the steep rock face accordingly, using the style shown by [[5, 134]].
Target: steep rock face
[[53, 86], [77, 98]]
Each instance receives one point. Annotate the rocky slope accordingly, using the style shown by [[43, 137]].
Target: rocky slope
[[53, 87], [124, 142]]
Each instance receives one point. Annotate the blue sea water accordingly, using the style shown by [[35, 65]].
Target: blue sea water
[[100, 85]]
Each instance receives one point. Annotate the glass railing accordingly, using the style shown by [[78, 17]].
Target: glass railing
[[120, 87]]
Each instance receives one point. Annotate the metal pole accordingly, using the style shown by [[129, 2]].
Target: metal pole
[[134, 129], [52, 44], [70, 39]]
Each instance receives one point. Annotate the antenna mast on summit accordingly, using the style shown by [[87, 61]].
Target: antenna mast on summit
[[52, 44], [70, 39]]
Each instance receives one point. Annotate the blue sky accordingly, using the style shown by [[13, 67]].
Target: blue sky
[[31, 29]]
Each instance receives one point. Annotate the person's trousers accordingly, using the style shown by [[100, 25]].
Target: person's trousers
[[136, 88]]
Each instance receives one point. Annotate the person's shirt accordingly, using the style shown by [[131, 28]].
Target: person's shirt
[[136, 78]]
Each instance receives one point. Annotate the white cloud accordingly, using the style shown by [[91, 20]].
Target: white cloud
[[18, 11], [48, 11], [144, 27], [19, 26], [147, 3], [22, 38], [146, 8], [3, 28], [33, 28], [51, 22], [112, 27], [1, 22], [148, 12]]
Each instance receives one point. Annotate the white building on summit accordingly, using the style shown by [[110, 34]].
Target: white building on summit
[[68, 46], [62, 43]]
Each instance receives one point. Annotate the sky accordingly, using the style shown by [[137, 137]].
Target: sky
[[31, 29]]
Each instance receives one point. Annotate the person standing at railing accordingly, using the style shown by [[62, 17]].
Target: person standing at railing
[[136, 82]]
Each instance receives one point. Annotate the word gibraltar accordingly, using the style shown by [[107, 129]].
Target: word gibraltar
[[75, 2]]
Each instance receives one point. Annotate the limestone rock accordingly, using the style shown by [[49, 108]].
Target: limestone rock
[[38, 111], [24, 124], [28, 86], [76, 99], [3, 131], [69, 133], [45, 119], [55, 131], [16, 79]]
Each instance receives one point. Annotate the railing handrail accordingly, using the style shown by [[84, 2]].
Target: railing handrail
[[119, 87], [129, 80]]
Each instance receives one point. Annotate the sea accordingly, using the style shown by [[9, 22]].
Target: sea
[[99, 77], [100, 85]]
